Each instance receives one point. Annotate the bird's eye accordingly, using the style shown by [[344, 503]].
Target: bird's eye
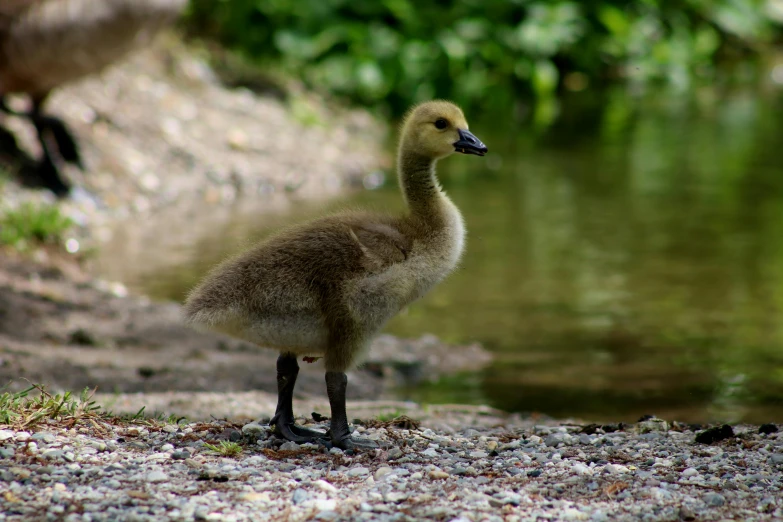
[[441, 124]]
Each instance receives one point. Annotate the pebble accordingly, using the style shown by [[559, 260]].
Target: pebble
[[443, 476], [53, 454], [299, 496], [325, 486], [289, 446], [714, 499], [6, 434], [156, 476], [382, 472], [581, 469], [253, 430], [395, 453]]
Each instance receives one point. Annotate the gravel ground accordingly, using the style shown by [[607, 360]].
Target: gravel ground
[[490, 468]]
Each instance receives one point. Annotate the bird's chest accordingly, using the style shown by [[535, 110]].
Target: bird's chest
[[437, 256]]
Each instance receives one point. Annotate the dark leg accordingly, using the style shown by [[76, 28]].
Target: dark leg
[[336, 384], [50, 128], [56, 142], [283, 421]]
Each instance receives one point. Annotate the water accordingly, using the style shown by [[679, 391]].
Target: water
[[626, 260]]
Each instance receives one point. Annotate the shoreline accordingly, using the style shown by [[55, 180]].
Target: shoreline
[[501, 468]]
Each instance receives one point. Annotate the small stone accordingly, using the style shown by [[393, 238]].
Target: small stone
[[776, 458], [256, 497], [689, 472], [290, 446], [382, 472], [581, 469], [23, 436], [253, 430], [180, 455], [652, 424], [235, 436], [553, 440], [438, 474], [429, 453], [47, 438], [299, 496], [6, 453], [478, 454], [687, 513], [714, 499], [237, 139], [99, 446], [492, 445], [20, 473], [534, 473], [395, 453], [53, 454], [394, 497], [6, 434], [358, 472], [325, 486], [156, 476], [167, 447]]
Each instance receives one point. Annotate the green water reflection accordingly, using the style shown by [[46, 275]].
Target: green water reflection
[[627, 260]]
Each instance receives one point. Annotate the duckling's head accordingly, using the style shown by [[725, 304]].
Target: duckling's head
[[436, 129]]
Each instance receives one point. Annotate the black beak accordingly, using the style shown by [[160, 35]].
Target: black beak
[[469, 144]]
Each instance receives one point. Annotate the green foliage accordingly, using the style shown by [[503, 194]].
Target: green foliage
[[225, 448], [33, 224], [399, 51]]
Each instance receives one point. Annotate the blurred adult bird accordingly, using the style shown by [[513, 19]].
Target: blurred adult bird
[[47, 43]]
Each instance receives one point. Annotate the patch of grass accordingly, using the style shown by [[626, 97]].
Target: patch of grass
[[225, 448], [388, 416], [31, 224], [35, 405], [19, 410]]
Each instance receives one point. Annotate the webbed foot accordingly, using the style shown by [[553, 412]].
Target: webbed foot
[[355, 443], [287, 429]]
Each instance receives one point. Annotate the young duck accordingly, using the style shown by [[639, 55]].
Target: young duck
[[46, 43], [324, 288]]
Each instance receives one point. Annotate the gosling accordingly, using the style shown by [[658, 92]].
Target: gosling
[[325, 288], [46, 43]]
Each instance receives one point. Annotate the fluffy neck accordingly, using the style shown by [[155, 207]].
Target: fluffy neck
[[419, 185]]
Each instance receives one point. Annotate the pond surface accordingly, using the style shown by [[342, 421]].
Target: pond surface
[[625, 260]]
